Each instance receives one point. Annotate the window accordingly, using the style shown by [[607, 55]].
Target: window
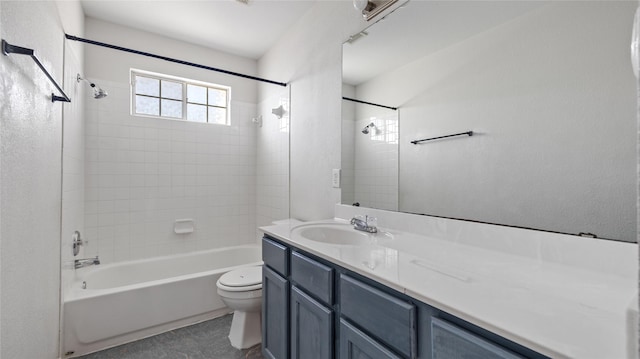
[[171, 97]]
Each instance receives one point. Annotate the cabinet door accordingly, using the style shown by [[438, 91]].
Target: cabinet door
[[311, 327], [275, 315], [354, 344]]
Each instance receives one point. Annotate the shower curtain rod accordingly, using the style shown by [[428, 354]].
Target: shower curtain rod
[[92, 42], [369, 103]]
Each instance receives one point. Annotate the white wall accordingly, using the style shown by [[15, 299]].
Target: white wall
[[309, 57], [347, 184], [272, 157], [143, 173], [30, 181], [558, 153]]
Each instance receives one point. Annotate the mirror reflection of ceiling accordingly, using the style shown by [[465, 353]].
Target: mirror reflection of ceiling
[[443, 23]]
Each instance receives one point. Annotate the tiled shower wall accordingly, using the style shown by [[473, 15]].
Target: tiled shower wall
[[375, 161], [142, 174]]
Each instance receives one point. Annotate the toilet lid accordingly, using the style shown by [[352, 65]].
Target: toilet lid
[[242, 277]]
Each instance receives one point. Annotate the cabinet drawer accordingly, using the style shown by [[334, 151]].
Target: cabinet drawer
[[315, 277], [391, 320], [451, 342], [275, 255]]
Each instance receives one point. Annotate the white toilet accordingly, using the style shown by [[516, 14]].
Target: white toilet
[[241, 290]]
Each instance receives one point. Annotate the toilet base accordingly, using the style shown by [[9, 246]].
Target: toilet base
[[245, 329]]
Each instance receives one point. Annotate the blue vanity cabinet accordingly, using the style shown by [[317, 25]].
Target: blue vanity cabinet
[[275, 300], [315, 309]]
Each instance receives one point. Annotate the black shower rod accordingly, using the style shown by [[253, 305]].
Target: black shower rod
[[177, 61], [369, 103]]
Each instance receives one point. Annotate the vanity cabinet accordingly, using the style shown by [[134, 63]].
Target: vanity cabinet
[[315, 309]]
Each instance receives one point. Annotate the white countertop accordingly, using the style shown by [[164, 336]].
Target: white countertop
[[557, 309]]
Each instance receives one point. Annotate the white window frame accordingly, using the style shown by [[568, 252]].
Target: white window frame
[[184, 82]]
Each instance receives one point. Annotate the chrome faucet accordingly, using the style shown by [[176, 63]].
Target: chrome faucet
[[365, 224], [81, 263]]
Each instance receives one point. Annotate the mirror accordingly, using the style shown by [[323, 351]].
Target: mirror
[[547, 89]]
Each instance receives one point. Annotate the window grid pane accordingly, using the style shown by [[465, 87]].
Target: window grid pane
[[196, 94], [196, 113], [147, 86], [171, 108], [217, 97], [146, 105], [171, 90]]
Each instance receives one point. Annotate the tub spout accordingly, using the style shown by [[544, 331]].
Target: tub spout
[[81, 263]]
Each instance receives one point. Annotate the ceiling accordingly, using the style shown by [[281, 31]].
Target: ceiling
[[247, 30]]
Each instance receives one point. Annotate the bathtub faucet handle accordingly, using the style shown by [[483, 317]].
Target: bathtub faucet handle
[[81, 263]]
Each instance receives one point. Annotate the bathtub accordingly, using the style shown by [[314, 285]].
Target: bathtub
[[113, 304]]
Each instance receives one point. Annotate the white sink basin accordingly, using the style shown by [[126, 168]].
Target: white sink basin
[[332, 233]]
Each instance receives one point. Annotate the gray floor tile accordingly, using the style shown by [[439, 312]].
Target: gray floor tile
[[206, 340]]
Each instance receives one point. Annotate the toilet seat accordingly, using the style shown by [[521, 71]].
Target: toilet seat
[[241, 280]]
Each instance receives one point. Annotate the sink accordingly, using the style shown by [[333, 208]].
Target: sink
[[332, 233]]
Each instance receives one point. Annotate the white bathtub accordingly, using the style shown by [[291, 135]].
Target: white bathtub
[[128, 301]]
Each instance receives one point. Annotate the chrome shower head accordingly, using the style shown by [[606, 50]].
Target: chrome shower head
[[98, 92], [366, 128]]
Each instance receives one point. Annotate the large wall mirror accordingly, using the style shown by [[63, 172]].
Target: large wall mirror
[[546, 88]]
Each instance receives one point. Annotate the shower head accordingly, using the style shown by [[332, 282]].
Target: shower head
[[98, 92], [366, 128]]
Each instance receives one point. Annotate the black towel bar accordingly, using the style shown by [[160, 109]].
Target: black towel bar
[[12, 49], [469, 133]]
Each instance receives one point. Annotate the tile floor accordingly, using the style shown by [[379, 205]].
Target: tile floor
[[206, 340]]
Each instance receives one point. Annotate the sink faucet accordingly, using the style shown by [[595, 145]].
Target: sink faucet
[[81, 263], [363, 224]]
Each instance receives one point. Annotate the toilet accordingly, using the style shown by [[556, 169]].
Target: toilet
[[241, 290]]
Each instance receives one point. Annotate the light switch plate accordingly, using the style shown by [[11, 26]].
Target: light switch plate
[[335, 178]]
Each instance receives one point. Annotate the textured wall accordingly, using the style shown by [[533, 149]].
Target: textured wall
[[30, 183]]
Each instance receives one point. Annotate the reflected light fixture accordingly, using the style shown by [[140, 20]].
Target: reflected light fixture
[[371, 8]]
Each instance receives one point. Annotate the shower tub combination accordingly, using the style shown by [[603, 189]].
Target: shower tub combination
[[113, 304]]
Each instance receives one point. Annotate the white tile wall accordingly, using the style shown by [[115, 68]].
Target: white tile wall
[[144, 173], [376, 162]]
